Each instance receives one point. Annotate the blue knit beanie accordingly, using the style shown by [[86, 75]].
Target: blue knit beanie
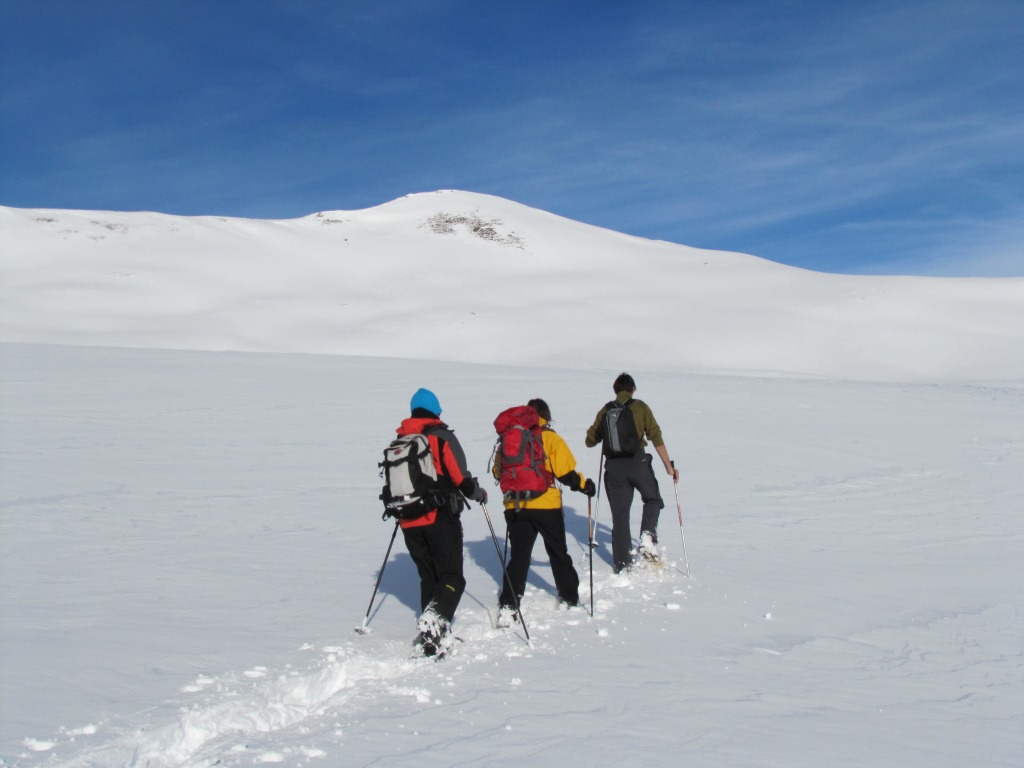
[[426, 400]]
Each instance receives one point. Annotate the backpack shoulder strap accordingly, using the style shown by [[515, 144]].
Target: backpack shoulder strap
[[548, 465], [430, 429], [434, 430], [442, 433], [615, 405]]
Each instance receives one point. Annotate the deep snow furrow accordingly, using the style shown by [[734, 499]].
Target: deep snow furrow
[[235, 710], [272, 706], [264, 707]]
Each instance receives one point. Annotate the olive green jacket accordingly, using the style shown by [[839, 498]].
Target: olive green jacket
[[646, 425]]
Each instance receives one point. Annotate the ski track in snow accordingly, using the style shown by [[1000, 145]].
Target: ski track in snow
[[222, 714]]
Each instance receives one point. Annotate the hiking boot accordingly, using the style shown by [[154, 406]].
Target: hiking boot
[[507, 616], [647, 549], [431, 622], [433, 629]]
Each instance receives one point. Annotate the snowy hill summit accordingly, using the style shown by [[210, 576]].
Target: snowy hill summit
[[467, 277]]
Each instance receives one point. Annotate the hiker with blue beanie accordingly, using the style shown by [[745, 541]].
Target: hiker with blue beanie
[[434, 539]]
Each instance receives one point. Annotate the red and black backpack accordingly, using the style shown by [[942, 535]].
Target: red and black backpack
[[519, 455]]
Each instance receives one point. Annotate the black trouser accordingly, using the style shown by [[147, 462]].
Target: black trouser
[[523, 527], [437, 551], [621, 478]]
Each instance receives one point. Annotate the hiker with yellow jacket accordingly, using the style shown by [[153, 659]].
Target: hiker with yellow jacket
[[543, 515]]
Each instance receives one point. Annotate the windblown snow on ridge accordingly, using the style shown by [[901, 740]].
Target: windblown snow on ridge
[[447, 275]]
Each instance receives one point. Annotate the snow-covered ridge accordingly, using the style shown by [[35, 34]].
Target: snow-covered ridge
[[443, 276]]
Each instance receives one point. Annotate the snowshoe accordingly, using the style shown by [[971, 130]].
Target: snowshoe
[[435, 648], [425, 645]]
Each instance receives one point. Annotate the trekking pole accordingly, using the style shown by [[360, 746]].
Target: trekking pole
[[590, 530], [679, 509], [363, 630], [504, 572], [597, 512]]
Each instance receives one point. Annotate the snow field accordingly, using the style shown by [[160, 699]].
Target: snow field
[[190, 538]]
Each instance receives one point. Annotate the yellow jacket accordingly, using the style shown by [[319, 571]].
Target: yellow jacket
[[562, 465]]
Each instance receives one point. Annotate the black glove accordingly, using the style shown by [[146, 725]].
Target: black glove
[[470, 488], [589, 489]]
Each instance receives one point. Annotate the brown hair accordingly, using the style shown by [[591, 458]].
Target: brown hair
[[624, 383], [541, 408]]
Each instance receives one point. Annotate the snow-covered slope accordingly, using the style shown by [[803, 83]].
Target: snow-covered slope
[[188, 540], [472, 278]]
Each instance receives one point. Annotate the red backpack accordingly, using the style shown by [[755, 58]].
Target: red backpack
[[519, 455]]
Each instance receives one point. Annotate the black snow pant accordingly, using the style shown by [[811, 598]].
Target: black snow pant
[[621, 478], [437, 551], [523, 527]]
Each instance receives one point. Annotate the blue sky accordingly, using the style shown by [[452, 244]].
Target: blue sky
[[868, 137]]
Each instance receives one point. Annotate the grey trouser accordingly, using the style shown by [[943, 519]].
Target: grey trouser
[[621, 478]]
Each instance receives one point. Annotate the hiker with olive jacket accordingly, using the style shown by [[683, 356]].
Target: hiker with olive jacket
[[624, 426]]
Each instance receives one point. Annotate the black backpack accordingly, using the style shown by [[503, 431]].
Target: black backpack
[[621, 438], [411, 485]]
